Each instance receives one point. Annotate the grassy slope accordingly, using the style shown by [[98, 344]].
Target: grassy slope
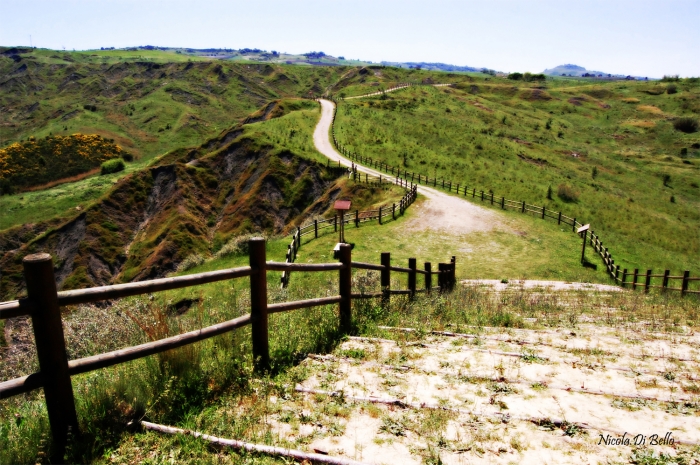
[[494, 136]]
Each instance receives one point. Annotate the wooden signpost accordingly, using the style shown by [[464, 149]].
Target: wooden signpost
[[583, 232]]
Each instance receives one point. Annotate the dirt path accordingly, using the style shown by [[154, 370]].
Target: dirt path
[[447, 214], [439, 212], [389, 90]]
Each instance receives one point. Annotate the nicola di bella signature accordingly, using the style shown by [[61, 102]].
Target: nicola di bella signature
[[637, 440]]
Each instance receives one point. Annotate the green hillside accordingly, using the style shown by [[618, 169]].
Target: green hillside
[[148, 107], [609, 153]]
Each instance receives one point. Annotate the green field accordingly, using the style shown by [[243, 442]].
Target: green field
[[612, 147]]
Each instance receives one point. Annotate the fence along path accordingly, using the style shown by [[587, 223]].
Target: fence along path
[[358, 217], [624, 277], [43, 306]]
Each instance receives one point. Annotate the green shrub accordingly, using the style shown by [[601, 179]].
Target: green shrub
[[567, 193], [127, 157], [686, 124], [112, 166], [671, 89]]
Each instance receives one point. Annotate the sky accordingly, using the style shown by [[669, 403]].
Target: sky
[[637, 37]]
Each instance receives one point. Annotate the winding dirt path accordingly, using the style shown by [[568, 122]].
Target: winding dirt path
[[439, 212]]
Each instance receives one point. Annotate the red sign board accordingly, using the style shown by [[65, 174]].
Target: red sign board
[[342, 205]]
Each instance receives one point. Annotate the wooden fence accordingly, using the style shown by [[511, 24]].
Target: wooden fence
[[358, 217], [541, 211], [43, 306]]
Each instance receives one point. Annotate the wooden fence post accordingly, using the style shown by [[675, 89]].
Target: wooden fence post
[[357, 218], [393, 211], [51, 349], [559, 219], [316, 228], [473, 192], [385, 278], [522, 210], [634, 280], [412, 278], [258, 303], [664, 284], [345, 287], [428, 277], [380, 214], [617, 272], [684, 286], [441, 277], [453, 278], [491, 198], [482, 196], [543, 210], [624, 277], [503, 203], [573, 225], [647, 282]]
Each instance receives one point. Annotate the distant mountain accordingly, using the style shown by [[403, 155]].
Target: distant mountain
[[572, 70], [580, 71]]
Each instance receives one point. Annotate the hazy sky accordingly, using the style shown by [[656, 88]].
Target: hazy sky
[[639, 37]]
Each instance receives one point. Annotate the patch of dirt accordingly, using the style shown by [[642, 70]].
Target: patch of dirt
[[534, 95], [533, 161]]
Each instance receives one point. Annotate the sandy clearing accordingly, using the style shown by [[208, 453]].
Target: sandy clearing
[[499, 286], [439, 372]]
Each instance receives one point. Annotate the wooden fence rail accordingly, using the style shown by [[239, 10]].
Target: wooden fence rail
[[55, 370]]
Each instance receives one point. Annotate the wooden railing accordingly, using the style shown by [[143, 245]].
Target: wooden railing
[[357, 217], [43, 306], [620, 277]]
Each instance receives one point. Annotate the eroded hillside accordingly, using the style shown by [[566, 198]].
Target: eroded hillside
[[190, 202]]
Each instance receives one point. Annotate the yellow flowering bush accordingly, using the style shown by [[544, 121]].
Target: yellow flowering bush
[[39, 161]]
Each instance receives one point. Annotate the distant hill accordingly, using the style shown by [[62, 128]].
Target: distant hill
[[580, 71], [431, 66]]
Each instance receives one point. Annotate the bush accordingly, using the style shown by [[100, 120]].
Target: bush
[[686, 124], [515, 76], [190, 262], [112, 166], [567, 193], [127, 156], [671, 89], [236, 246]]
